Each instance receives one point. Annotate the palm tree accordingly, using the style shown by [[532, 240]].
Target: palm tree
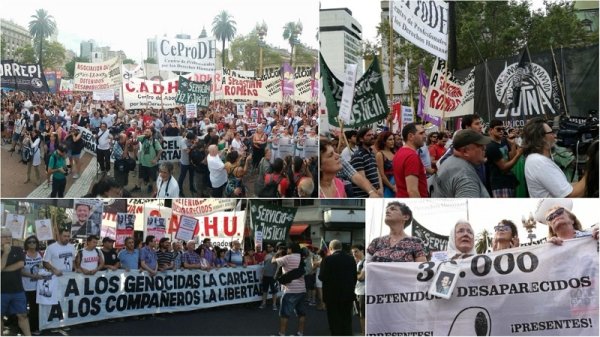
[[223, 28], [291, 31], [41, 27], [484, 242]]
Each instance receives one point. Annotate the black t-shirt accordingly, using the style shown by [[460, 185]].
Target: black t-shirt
[[171, 132], [110, 257], [11, 280], [497, 178], [84, 121]]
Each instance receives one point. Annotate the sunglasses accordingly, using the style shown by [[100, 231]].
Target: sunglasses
[[502, 228], [556, 213]]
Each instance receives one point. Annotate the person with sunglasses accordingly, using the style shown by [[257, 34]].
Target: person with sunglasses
[[562, 222], [502, 154], [506, 236], [544, 177]]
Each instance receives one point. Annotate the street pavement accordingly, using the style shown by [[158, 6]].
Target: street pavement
[[233, 320]]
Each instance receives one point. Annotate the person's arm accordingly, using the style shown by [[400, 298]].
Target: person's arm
[[578, 188], [412, 186], [51, 268], [15, 266], [379, 158], [504, 165]]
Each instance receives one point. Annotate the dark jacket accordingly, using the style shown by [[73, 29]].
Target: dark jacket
[[338, 273]]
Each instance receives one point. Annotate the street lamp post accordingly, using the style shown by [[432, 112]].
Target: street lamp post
[[261, 30], [529, 224]]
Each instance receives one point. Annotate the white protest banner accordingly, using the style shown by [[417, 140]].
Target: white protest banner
[[118, 294], [104, 95], [171, 149], [265, 88], [77, 106], [286, 147], [222, 227], [186, 228], [66, 85], [141, 94], [407, 115], [16, 224], [348, 94], [191, 111], [197, 207], [97, 76], [89, 140], [537, 290], [303, 79], [311, 148], [190, 56], [447, 96], [241, 108], [423, 23], [43, 229], [258, 240]]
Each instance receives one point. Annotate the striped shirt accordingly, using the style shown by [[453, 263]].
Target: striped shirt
[[364, 160], [290, 262], [164, 258]]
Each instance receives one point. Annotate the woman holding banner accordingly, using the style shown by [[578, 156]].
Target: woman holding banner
[[562, 223], [397, 246]]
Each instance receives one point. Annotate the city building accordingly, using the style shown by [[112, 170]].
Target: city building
[[14, 37], [587, 12], [151, 48], [86, 48], [340, 38]]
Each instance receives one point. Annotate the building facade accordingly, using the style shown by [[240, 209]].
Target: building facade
[[340, 38], [14, 37]]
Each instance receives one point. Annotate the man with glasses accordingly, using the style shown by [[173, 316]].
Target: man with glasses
[[409, 172], [364, 163], [544, 178], [506, 236], [14, 301], [502, 154]]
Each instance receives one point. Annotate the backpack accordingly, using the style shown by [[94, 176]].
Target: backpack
[[27, 154], [271, 188]]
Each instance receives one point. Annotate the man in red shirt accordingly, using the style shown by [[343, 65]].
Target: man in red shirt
[[409, 171]]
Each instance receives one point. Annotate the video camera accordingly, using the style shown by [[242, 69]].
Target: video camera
[[577, 134]]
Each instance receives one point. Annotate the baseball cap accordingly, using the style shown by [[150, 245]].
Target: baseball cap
[[107, 239], [468, 136]]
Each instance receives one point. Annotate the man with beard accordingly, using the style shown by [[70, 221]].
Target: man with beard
[[409, 172], [364, 163], [149, 156]]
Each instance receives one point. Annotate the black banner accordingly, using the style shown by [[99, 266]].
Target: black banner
[[25, 77], [498, 81], [432, 242]]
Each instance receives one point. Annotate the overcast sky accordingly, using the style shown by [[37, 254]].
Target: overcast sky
[[125, 25], [440, 215]]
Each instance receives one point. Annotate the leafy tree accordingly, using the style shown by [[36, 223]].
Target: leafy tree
[[128, 61], [224, 29], [70, 66], [41, 27], [246, 52], [54, 52], [304, 55], [151, 60], [291, 32], [484, 242], [3, 49]]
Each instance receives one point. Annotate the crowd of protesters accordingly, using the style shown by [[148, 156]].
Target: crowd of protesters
[[422, 161], [221, 150]]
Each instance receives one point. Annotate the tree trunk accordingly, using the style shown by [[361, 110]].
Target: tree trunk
[[40, 53], [223, 54]]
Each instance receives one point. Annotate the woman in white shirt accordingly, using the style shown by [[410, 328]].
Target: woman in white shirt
[[34, 142], [166, 184]]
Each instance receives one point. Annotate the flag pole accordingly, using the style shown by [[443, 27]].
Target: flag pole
[[537, 88], [562, 93], [391, 60]]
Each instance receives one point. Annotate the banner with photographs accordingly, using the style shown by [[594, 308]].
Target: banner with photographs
[[156, 227], [272, 221], [124, 228], [91, 77], [535, 290], [129, 294], [25, 77], [43, 229], [369, 104], [186, 55], [16, 224], [87, 217]]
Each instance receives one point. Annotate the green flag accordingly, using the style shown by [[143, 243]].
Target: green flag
[[273, 221], [369, 104], [190, 92]]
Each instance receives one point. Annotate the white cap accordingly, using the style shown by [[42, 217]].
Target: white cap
[[544, 205]]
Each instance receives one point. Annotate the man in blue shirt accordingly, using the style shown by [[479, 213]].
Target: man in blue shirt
[[130, 256], [148, 257]]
